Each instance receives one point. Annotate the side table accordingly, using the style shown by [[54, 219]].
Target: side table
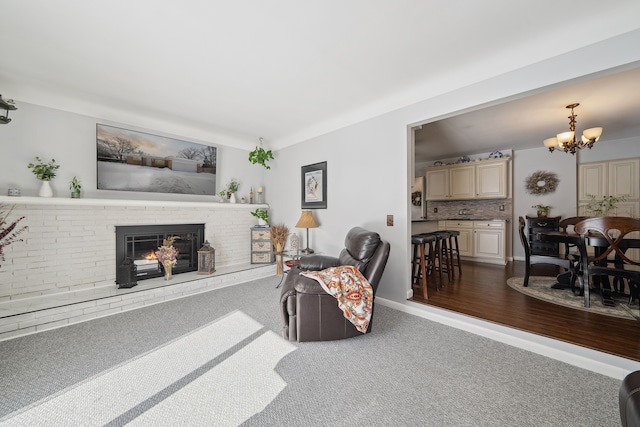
[[294, 256]]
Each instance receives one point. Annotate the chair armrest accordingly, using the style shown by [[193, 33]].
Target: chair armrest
[[305, 285], [318, 262]]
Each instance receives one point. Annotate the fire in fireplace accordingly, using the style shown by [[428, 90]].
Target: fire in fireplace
[[139, 243]]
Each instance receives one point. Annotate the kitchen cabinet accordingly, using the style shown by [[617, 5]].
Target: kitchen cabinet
[[611, 178], [486, 180], [492, 180], [465, 239], [481, 241], [489, 241]]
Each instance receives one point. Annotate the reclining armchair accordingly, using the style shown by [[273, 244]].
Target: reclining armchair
[[311, 314]]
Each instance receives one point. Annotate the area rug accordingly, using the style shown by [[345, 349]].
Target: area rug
[[540, 287]]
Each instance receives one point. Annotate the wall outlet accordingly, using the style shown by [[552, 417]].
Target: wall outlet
[[389, 220], [435, 210]]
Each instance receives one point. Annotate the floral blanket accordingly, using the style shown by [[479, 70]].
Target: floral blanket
[[351, 289]]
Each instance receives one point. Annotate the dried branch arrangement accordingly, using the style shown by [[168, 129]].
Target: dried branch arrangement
[[279, 234], [8, 234]]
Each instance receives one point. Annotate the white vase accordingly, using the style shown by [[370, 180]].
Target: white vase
[[45, 189], [262, 222], [232, 199]]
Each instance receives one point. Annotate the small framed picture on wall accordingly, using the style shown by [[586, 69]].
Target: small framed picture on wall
[[314, 186]]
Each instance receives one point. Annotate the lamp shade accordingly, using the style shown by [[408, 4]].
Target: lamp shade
[[307, 220], [592, 134], [550, 142], [565, 137]]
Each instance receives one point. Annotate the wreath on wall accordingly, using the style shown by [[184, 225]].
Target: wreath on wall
[[416, 198], [541, 182]]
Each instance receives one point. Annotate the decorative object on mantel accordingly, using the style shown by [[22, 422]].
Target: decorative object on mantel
[[6, 105], [167, 254], [542, 210], [45, 172], [602, 207], [127, 274], [8, 233], [260, 156], [307, 221], [567, 140], [13, 192], [279, 234], [262, 215], [541, 182], [260, 191], [206, 259], [232, 188], [75, 188]]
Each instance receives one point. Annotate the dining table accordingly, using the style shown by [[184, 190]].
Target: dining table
[[600, 244]]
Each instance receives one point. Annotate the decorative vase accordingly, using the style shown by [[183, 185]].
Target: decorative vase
[[542, 214], [262, 222], [168, 266], [232, 198], [45, 189], [75, 195]]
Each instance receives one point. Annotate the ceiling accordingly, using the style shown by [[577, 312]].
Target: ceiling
[[287, 70], [610, 102]]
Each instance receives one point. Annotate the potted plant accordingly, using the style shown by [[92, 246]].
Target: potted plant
[[262, 215], [45, 172], [229, 191], [261, 156], [75, 188], [604, 206], [542, 210]]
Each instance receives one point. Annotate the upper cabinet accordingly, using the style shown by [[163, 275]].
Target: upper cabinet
[[487, 180], [611, 178]]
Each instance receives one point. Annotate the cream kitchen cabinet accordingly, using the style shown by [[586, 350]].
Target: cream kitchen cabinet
[[481, 241], [486, 180], [611, 178], [489, 239], [492, 180]]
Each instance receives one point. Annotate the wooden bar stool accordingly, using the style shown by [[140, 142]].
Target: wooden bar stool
[[454, 251], [419, 264], [445, 262], [433, 239]]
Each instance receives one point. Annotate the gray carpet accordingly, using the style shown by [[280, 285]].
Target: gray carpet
[[408, 371]]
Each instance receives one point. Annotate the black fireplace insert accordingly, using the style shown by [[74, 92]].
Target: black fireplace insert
[[139, 243]]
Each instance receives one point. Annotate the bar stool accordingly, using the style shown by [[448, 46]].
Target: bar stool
[[445, 262], [434, 241], [419, 264], [454, 251]]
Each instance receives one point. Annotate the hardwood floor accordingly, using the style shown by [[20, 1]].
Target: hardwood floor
[[482, 292]]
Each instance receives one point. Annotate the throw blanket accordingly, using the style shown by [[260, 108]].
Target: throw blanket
[[351, 289]]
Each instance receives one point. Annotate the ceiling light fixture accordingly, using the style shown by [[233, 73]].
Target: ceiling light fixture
[[567, 140], [6, 106]]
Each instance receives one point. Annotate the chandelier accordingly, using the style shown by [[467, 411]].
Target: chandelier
[[567, 140]]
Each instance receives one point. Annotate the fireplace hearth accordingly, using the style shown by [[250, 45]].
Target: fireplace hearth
[[139, 242]]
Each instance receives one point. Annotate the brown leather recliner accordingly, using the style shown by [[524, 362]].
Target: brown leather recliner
[[311, 314]]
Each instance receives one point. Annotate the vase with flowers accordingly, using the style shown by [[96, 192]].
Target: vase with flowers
[[167, 255]]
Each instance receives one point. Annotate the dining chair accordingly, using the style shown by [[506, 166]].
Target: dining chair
[[616, 232], [567, 225], [569, 263]]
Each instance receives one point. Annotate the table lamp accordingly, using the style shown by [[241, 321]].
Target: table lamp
[[307, 221]]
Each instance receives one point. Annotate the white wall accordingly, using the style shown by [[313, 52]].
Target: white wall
[[369, 164], [71, 140]]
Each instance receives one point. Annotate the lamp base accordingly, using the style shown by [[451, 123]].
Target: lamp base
[[307, 251]]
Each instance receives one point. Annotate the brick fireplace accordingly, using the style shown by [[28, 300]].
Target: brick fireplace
[[70, 244]]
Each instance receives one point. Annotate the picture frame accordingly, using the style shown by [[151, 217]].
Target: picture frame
[[314, 186], [129, 160]]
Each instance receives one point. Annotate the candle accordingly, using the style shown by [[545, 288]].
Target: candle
[[259, 189]]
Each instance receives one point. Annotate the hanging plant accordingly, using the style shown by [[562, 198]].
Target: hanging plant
[[261, 156]]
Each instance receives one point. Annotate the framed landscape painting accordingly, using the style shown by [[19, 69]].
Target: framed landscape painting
[[129, 160], [314, 186]]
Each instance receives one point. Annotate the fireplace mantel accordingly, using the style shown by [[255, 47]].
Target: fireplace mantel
[[67, 201]]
